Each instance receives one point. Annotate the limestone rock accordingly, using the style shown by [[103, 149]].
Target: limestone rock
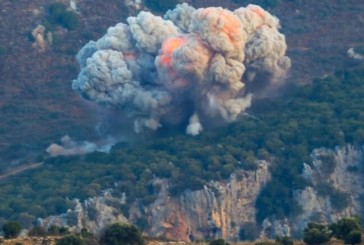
[[222, 208]]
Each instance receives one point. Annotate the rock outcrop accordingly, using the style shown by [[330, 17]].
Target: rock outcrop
[[221, 209], [344, 181], [93, 214], [215, 211], [336, 189]]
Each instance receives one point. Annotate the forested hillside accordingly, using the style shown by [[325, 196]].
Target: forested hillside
[[38, 106], [326, 113]]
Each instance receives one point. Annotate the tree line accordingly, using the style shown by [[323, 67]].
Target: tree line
[[347, 229]]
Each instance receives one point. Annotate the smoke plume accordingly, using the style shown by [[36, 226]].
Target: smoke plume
[[69, 147], [192, 67]]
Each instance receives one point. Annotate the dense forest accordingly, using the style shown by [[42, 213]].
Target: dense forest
[[326, 113]]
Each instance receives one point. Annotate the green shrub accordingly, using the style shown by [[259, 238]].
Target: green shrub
[[55, 10], [284, 240], [248, 232], [347, 229], [59, 15], [11, 229], [69, 20], [71, 239], [38, 231], [121, 234], [86, 234], [58, 230], [315, 234], [219, 241], [354, 237]]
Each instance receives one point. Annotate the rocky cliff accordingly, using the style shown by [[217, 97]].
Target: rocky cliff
[[337, 185], [335, 190], [220, 209], [215, 211]]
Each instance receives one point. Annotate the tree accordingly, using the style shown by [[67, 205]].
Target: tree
[[11, 229], [347, 229], [315, 234], [121, 234], [85, 233], [354, 237], [248, 232], [71, 239], [38, 231], [58, 230], [284, 240], [69, 20], [219, 241], [55, 10], [58, 14]]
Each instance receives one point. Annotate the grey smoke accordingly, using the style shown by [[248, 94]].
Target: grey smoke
[[69, 147], [189, 67]]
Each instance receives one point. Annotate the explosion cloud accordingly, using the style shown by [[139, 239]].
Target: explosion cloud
[[193, 67]]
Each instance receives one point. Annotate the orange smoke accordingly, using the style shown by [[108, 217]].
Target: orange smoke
[[226, 22], [168, 47], [231, 25], [130, 56], [258, 11]]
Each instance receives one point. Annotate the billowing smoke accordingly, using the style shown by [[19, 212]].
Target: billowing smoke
[[69, 147], [192, 67]]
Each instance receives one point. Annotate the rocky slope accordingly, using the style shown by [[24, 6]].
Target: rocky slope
[[36, 98], [345, 180], [215, 211], [336, 190], [220, 209]]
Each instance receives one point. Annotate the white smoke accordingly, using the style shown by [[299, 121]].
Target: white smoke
[[354, 55], [189, 67], [194, 127], [73, 5], [69, 147], [134, 4]]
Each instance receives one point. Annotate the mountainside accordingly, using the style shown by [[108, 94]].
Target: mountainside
[[336, 190], [36, 95], [171, 180], [293, 157], [227, 209]]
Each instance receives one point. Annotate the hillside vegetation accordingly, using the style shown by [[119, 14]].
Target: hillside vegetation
[[38, 106], [347, 230], [327, 113]]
